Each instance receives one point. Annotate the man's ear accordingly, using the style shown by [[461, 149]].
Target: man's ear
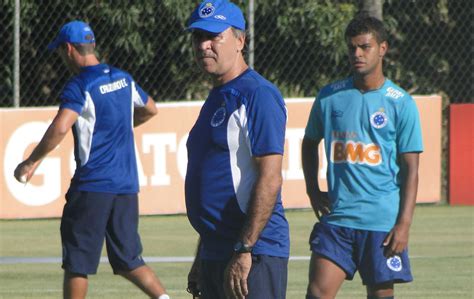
[[241, 42], [69, 48], [383, 48]]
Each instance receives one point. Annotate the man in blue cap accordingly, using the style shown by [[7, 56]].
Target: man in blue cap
[[233, 180], [102, 198]]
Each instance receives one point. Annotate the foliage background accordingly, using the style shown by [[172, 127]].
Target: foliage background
[[299, 45]]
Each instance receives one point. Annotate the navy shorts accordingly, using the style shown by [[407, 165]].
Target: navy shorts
[[88, 218], [362, 250], [267, 278]]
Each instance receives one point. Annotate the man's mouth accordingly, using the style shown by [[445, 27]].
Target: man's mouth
[[358, 63]]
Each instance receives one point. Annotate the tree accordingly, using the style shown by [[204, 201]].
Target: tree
[[373, 8], [299, 45]]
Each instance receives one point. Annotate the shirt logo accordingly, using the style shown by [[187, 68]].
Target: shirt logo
[[113, 86], [339, 85], [395, 263], [207, 11], [336, 113], [394, 93], [355, 153], [218, 117], [378, 120]]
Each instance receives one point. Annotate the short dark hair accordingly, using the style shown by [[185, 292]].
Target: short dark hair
[[83, 49], [363, 24]]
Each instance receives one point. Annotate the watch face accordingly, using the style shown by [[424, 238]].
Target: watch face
[[238, 246]]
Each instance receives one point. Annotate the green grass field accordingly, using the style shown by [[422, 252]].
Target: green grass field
[[441, 247]]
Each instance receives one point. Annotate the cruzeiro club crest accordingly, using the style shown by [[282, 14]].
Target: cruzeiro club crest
[[379, 119], [207, 10], [395, 263], [218, 117]]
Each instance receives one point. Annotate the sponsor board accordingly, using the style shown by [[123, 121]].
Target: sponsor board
[[162, 158]]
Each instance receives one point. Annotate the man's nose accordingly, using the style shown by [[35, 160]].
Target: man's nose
[[358, 52], [204, 44]]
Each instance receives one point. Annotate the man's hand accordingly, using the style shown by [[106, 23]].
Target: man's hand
[[25, 170], [57, 130], [236, 274], [320, 203], [396, 240], [310, 162]]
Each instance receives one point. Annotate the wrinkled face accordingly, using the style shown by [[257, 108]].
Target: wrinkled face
[[365, 53], [217, 54]]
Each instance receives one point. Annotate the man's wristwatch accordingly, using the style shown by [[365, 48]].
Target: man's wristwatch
[[241, 247]]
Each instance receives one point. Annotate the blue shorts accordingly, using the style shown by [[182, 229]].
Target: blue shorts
[[88, 218], [267, 278], [362, 250]]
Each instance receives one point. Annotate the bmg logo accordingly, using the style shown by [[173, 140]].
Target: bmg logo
[[355, 153]]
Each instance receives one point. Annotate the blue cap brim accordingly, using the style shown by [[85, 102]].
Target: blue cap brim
[[52, 46], [209, 26]]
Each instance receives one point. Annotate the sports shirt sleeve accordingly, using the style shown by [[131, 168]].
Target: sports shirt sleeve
[[314, 127], [409, 137], [266, 122], [139, 96], [73, 96]]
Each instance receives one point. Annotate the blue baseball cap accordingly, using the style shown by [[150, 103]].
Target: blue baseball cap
[[75, 32], [216, 16]]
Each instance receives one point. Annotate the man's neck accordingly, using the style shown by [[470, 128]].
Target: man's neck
[[89, 60], [84, 61], [231, 75], [369, 82]]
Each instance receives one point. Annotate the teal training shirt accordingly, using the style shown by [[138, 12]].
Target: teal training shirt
[[364, 133]]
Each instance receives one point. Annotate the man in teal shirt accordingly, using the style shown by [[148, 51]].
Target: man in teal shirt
[[372, 139]]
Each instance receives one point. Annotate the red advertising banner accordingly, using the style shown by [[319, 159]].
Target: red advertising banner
[[461, 154], [162, 159]]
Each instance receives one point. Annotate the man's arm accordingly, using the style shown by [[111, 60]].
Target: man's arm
[[264, 197], [62, 123], [143, 114], [310, 161], [260, 209], [397, 239]]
